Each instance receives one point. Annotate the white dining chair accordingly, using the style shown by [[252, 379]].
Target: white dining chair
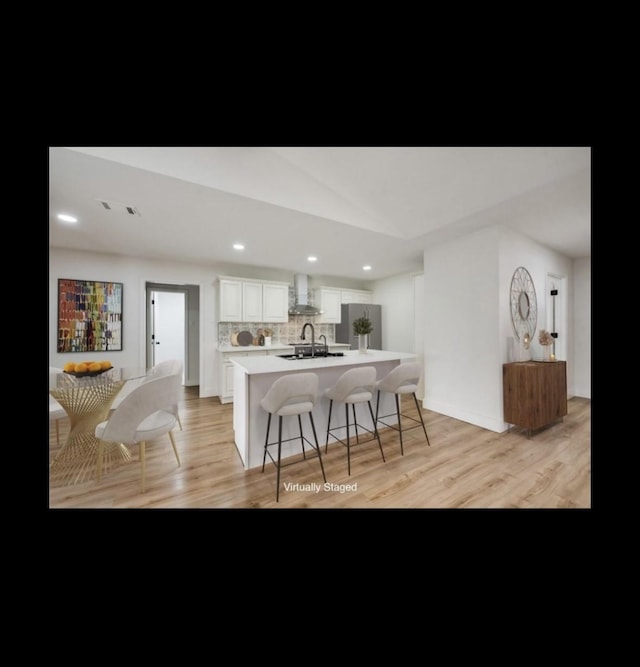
[[142, 416], [169, 367], [56, 411]]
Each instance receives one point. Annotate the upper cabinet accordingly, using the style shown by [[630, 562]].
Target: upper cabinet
[[244, 300], [275, 302], [328, 299], [230, 300], [356, 296], [251, 302]]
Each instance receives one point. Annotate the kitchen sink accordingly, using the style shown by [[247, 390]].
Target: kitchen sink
[[292, 357]]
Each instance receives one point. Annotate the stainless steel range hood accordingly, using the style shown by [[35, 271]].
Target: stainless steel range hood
[[301, 307]]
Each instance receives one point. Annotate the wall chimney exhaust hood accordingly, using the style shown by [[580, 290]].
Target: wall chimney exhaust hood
[[301, 290]]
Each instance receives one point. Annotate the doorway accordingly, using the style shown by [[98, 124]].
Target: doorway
[[556, 307], [173, 327]]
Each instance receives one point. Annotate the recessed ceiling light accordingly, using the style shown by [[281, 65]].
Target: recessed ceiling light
[[311, 258], [66, 218], [238, 246], [366, 267]]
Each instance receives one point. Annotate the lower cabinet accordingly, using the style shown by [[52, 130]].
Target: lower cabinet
[[226, 380], [534, 392]]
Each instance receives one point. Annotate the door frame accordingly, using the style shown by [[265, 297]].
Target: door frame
[[191, 339], [558, 282]]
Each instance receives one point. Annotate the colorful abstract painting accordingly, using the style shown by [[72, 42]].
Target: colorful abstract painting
[[89, 316]]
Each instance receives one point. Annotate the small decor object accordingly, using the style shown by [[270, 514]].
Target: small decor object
[[267, 336], [89, 316], [546, 340], [245, 338], [362, 327]]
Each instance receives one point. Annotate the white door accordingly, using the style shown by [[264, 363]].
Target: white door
[[168, 326], [556, 313]]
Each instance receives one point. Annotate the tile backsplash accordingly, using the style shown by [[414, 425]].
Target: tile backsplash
[[286, 332]]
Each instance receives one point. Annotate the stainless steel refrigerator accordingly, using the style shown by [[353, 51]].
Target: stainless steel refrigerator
[[351, 312]]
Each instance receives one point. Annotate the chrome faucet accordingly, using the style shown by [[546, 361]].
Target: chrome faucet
[[326, 347], [313, 337]]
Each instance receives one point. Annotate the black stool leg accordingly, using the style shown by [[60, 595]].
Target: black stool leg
[[355, 422], [346, 410], [304, 456], [377, 406], [424, 428], [266, 440], [315, 437], [399, 424], [326, 447], [279, 450], [375, 430]]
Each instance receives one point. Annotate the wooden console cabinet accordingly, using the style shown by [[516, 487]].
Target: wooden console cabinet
[[534, 392]]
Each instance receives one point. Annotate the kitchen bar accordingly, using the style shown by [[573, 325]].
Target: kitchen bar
[[253, 376]]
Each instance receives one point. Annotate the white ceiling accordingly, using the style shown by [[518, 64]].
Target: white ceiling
[[347, 206]]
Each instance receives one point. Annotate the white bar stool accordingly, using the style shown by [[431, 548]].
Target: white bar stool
[[289, 395], [353, 386], [403, 379]]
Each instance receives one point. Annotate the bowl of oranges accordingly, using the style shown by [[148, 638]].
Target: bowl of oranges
[[87, 368]]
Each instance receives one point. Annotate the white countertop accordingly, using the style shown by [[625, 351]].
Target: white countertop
[[274, 346], [257, 365]]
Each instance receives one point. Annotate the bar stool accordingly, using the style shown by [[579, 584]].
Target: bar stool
[[289, 395], [403, 379], [353, 386]]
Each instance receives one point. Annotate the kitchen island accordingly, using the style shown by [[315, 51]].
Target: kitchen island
[[253, 377]]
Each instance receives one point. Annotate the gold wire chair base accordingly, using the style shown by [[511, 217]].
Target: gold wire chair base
[[76, 463]]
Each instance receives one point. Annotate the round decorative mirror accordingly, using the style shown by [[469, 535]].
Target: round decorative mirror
[[524, 305]]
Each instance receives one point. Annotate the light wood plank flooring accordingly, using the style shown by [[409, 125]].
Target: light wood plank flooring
[[465, 467]]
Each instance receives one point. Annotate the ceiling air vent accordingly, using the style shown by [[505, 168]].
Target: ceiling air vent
[[118, 207]]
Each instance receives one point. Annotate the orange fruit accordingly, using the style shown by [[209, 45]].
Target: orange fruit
[[95, 366], [69, 366], [81, 367], [105, 364]]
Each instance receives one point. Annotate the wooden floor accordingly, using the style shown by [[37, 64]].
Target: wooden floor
[[465, 467]]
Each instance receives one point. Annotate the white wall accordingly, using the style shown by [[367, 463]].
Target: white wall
[[134, 273], [582, 327], [463, 362], [395, 295]]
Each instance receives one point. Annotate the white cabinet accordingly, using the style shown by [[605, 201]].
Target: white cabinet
[[226, 394], [252, 302], [356, 296], [275, 302], [243, 300], [328, 299], [230, 297], [227, 369]]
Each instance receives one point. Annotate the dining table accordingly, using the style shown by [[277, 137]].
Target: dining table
[[87, 400]]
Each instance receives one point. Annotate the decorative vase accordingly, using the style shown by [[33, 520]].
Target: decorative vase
[[546, 352], [362, 343], [267, 340]]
